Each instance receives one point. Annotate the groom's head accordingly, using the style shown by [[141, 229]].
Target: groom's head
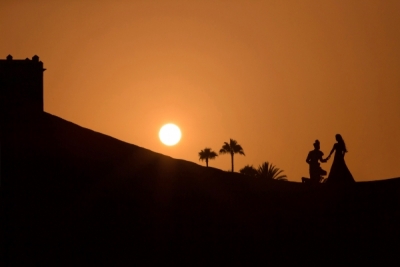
[[316, 144]]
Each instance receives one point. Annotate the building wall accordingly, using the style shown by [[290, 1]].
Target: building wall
[[21, 85]]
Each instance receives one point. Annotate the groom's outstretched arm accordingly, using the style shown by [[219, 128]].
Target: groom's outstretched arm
[[321, 159]]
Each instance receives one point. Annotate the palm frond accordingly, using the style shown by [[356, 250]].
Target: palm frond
[[225, 148], [231, 148], [270, 172], [207, 153]]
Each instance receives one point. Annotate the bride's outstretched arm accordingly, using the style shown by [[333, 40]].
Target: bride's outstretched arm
[[333, 149]]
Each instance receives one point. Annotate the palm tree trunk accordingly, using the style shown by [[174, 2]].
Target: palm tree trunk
[[232, 160], [206, 162]]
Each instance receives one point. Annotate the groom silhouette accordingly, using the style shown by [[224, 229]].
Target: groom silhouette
[[313, 159]]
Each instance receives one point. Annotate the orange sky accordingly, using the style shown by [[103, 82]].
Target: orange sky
[[274, 75]]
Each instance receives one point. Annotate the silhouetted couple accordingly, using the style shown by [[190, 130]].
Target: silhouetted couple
[[339, 172]]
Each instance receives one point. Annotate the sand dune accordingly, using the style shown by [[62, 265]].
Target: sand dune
[[73, 196]]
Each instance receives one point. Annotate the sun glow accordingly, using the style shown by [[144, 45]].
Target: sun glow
[[170, 134]]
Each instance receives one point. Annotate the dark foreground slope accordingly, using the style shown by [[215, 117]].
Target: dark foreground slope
[[71, 196]]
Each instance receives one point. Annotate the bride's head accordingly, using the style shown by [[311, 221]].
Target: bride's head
[[340, 140]]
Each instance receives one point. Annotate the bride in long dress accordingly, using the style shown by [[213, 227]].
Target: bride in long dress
[[339, 172]]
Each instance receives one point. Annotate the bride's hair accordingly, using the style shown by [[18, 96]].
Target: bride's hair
[[340, 140]]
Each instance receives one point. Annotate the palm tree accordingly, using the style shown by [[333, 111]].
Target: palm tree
[[207, 154], [232, 148], [249, 171], [270, 172]]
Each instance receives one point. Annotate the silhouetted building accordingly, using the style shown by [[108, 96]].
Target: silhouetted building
[[21, 85]]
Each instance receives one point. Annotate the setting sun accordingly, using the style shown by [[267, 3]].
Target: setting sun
[[170, 134]]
